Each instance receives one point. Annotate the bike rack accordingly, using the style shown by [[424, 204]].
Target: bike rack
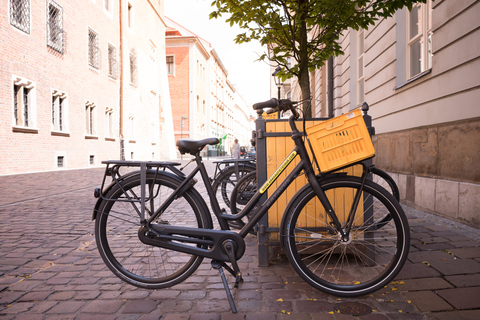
[[261, 146]]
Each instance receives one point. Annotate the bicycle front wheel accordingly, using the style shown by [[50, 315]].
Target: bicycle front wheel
[[371, 256], [117, 226]]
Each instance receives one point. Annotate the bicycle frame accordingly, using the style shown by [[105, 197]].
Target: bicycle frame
[[208, 242]]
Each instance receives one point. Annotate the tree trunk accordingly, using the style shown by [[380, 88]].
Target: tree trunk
[[304, 82], [304, 77]]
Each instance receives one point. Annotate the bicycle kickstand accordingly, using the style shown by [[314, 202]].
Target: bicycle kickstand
[[218, 265], [229, 247]]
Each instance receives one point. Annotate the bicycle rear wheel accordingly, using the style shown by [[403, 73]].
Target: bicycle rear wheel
[[370, 258], [118, 223], [243, 192], [224, 184], [383, 179]]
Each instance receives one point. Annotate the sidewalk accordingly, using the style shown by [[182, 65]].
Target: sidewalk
[[50, 269]]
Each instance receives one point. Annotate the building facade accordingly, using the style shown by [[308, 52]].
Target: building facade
[[420, 73], [204, 102], [81, 82], [188, 76]]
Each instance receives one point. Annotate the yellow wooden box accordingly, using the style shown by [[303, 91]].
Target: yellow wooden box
[[278, 148]]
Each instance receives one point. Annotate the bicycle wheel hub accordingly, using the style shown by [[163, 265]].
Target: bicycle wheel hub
[[345, 241]]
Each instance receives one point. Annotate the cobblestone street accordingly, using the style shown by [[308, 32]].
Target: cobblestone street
[[50, 268]]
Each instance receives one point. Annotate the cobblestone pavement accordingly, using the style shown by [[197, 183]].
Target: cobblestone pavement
[[50, 268]]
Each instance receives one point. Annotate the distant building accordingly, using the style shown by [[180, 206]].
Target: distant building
[[81, 83], [204, 102], [420, 73], [188, 76]]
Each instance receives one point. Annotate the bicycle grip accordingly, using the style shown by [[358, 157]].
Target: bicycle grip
[[272, 103], [270, 111]]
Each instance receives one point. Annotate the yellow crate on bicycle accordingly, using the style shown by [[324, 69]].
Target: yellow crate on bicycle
[[341, 141]]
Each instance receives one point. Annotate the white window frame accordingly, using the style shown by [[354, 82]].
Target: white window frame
[[172, 64], [59, 111], [423, 37], [90, 119], [108, 8], [109, 123], [24, 117]]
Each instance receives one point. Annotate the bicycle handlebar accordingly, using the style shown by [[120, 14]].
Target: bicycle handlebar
[[276, 105]]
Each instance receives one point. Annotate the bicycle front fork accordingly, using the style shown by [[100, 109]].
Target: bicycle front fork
[[343, 230]]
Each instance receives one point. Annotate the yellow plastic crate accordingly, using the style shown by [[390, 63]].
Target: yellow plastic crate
[[341, 141]]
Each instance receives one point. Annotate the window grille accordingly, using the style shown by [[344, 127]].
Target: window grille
[[20, 14], [60, 162], [93, 50], [112, 61], [55, 26], [133, 68]]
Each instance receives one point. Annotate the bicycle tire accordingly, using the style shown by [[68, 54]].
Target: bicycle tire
[[371, 257], [383, 179], [226, 180], [117, 225], [244, 190]]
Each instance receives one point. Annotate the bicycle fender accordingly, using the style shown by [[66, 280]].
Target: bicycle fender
[[128, 175]]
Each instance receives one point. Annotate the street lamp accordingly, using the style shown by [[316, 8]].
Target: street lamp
[[277, 79]]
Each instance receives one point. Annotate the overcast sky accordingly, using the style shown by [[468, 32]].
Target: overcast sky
[[252, 79]]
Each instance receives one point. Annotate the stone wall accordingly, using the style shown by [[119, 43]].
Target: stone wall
[[436, 167]]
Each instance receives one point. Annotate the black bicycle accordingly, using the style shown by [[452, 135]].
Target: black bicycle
[[343, 235]]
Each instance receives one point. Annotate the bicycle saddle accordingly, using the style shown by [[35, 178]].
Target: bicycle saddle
[[194, 146]]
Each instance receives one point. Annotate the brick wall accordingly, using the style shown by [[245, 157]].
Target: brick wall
[[179, 89], [29, 57]]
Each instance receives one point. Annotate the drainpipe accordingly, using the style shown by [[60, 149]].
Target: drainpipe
[[122, 143], [330, 87]]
